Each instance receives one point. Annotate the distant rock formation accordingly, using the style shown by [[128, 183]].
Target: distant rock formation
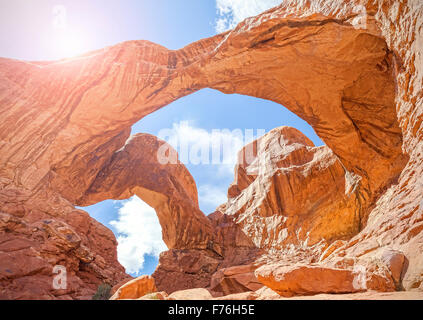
[[293, 192]]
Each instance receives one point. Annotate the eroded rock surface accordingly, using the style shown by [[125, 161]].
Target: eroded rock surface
[[35, 248], [168, 188], [290, 192], [308, 280], [236, 279], [135, 288], [297, 279]]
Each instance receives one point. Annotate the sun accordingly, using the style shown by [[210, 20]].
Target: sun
[[68, 43]]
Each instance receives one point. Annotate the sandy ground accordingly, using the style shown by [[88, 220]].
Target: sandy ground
[[399, 295]]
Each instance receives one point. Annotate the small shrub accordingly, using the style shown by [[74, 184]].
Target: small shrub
[[103, 292]]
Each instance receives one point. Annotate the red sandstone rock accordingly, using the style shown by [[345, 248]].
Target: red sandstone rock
[[135, 288], [234, 280], [119, 284], [191, 294], [169, 188], [185, 269], [394, 260], [301, 194], [353, 70], [376, 272], [30, 250], [307, 280]]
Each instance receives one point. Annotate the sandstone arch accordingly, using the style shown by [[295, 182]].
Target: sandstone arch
[[349, 81], [168, 188], [338, 78]]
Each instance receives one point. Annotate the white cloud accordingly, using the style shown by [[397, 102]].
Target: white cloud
[[139, 233], [198, 146], [216, 151], [217, 148], [212, 196], [231, 12]]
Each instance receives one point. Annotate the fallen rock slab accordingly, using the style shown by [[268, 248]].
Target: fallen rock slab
[[308, 280], [236, 279]]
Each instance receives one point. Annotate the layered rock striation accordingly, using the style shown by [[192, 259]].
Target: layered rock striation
[[293, 192]]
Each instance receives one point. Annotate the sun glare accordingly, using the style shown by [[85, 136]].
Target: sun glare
[[68, 43]]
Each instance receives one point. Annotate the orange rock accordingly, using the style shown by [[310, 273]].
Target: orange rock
[[185, 269], [234, 280], [351, 69], [307, 279], [344, 276], [299, 193], [120, 284], [169, 188], [395, 261], [135, 288], [191, 294], [350, 102]]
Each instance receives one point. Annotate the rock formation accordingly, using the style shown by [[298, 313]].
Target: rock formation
[[135, 288], [236, 279], [35, 241], [293, 192], [351, 69], [168, 188]]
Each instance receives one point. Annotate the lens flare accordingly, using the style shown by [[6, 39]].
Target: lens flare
[[68, 43]]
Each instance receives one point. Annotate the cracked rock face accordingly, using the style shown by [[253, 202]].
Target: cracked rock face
[[292, 192], [351, 69], [31, 247]]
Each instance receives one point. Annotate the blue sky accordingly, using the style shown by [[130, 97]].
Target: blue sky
[[29, 31]]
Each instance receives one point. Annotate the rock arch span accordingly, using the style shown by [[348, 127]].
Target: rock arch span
[[62, 122], [337, 78]]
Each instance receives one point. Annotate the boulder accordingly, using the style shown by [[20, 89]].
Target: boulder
[[135, 288], [191, 294], [308, 280], [236, 279]]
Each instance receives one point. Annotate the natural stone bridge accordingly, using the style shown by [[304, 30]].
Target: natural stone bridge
[[64, 141]]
